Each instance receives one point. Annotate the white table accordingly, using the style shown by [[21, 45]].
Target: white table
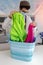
[[5, 58]]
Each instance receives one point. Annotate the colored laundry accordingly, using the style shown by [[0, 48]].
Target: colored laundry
[[30, 36], [18, 32]]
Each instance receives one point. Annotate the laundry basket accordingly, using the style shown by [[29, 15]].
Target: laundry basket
[[21, 50]]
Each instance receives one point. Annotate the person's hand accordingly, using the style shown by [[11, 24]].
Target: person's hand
[[11, 13]]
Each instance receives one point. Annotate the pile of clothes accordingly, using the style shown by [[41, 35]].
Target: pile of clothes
[[18, 32]]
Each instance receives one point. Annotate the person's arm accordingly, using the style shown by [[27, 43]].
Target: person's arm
[[11, 13]]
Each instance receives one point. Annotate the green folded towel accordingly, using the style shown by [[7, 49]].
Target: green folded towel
[[17, 29]]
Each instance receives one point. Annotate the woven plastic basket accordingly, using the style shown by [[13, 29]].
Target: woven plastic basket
[[22, 51]]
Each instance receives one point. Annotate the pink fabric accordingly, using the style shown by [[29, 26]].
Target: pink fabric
[[30, 35]]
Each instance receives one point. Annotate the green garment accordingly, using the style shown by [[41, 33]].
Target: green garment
[[18, 32]]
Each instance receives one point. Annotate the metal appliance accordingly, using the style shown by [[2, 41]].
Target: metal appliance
[[3, 35]]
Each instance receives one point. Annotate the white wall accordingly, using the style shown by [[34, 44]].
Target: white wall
[[39, 20]]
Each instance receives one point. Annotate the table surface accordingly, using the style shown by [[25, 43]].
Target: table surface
[[5, 58]]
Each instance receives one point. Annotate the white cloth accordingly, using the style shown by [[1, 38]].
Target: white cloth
[[6, 25], [28, 21]]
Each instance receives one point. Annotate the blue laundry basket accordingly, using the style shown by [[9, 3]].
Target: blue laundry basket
[[21, 50]]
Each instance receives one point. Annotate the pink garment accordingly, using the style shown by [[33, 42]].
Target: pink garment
[[30, 35]]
